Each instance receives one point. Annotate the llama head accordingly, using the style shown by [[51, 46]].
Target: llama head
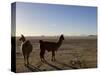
[[62, 37], [22, 38]]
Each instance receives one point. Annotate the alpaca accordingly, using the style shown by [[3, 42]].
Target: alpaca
[[26, 48], [50, 47]]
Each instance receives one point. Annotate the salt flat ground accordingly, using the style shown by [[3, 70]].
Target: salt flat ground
[[84, 49]]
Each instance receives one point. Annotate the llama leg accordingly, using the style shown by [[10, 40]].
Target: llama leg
[[27, 59], [24, 59], [53, 56], [42, 55]]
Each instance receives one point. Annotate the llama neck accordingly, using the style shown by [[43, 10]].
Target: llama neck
[[59, 42], [23, 40]]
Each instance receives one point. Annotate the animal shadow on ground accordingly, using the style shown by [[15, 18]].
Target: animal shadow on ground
[[32, 68], [36, 69], [56, 67], [63, 64]]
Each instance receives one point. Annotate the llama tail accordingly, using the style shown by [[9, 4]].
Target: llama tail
[[40, 41]]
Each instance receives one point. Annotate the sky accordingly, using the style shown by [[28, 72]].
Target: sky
[[34, 19]]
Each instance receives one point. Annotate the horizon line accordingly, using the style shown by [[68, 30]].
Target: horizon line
[[55, 35]]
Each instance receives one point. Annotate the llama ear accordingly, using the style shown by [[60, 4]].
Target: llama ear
[[61, 34], [22, 35]]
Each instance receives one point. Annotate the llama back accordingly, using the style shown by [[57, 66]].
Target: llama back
[[27, 43], [47, 45]]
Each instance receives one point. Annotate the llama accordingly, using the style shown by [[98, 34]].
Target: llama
[[50, 47], [26, 48]]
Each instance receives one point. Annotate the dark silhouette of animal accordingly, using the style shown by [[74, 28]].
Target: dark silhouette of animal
[[26, 48], [50, 47]]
